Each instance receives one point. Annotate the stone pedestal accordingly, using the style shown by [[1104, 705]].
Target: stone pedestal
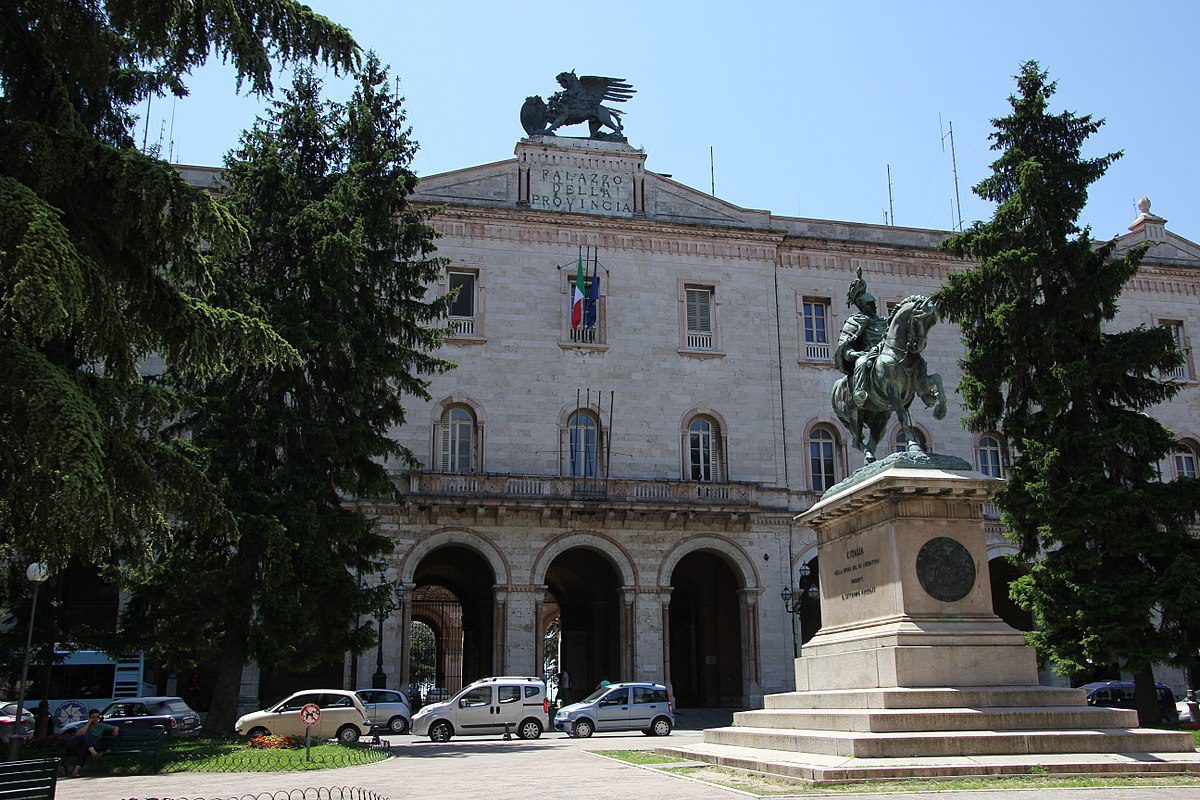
[[912, 673]]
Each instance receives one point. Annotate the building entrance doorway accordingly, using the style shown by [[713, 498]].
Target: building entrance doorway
[[582, 610], [705, 635], [450, 638]]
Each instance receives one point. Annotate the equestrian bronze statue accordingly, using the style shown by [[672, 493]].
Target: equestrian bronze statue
[[884, 368], [579, 101]]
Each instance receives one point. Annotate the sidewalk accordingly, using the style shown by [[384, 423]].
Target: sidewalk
[[551, 767]]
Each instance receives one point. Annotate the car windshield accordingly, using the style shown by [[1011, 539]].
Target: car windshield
[[596, 695]]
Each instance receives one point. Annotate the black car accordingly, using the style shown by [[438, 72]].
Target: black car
[[171, 714], [1119, 694]]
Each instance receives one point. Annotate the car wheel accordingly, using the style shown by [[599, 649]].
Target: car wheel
[[647, 732], [440, 732], [348, 734], [397, 725], [583, 729], [256, 732], [530, 729], [660, 727]]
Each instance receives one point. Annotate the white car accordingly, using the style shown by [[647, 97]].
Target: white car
[[8, 722], [342, 717], [387, 709], [487, 707]]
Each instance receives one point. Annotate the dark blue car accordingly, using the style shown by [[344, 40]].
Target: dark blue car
[[171, 714]]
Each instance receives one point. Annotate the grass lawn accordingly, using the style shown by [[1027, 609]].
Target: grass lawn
[[224, 755], [638, 756]]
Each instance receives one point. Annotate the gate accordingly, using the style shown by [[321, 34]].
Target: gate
[[436, 642]]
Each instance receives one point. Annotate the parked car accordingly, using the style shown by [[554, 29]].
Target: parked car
[[626, 706], [342, 717], [171, 714], [8, 722], [1119, 694], [386, 709], [485, 707]]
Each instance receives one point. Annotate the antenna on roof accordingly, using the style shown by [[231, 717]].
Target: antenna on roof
[[712, 172], [146, 127], [171, 135], [891, 215], [954, 163]]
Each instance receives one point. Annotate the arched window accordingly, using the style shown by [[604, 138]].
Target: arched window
[[583, 445], [1183, 455], [458, 434], [987, 453], [704, 450], [822, 465], [902, 443]]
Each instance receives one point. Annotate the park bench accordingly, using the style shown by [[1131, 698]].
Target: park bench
[[33, 779], [144, 744]]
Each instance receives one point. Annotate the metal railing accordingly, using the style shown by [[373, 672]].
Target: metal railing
[[546, 488], [462, 326], [697, 340], [585, 335], [817, 351], [1180, 373]]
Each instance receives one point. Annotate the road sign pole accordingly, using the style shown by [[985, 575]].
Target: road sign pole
[[307, 743]]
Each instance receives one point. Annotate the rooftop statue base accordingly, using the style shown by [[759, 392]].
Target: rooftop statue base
[[912, 673]]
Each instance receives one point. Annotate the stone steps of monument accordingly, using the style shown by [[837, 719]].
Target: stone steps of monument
[[938, 697], [953, 743], [891, 720], [837, 769]]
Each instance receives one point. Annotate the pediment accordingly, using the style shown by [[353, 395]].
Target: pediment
[[493, 184], [671, 201], [1171, 249]]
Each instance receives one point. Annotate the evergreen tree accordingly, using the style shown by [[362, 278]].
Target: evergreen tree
[[339, 265], [107, 256], [1112, 564]]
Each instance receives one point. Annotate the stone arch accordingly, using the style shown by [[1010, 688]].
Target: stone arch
[[457, 399], [611, 549], [463, 537], [997, 549], [841, 455], [703, 410], [916, 426], [564, 415], [806, 554], [732, 553]]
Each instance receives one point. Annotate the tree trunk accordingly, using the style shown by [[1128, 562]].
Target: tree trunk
[[1146, 696], [231, 659]]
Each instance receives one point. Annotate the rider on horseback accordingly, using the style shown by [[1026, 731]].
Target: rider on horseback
[[858, 344]]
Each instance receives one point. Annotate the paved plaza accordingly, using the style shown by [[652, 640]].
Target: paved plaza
[[551, 767]]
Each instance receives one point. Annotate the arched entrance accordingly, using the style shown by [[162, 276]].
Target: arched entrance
[[1003, 572], [706, 634], [808, 601], [453, 600], [583, 608]]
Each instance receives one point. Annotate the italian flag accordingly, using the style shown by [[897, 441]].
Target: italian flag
[[577, 301]]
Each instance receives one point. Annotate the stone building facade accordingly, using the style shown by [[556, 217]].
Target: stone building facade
[[615, 501]]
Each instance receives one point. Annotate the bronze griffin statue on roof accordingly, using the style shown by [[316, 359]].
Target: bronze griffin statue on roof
[[579, 101]]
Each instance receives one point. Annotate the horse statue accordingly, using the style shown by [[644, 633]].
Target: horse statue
[[896, 374]]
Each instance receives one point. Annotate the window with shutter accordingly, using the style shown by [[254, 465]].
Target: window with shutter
[[699, 313], [458, 440], [462, 307]]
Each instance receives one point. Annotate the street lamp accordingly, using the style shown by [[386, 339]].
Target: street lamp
[[803, 596], [388, 605], [37, 575]]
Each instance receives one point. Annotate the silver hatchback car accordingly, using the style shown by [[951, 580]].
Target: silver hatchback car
[[627, 706], [386, 709]]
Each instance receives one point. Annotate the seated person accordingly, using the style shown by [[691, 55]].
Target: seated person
[[87, 741]]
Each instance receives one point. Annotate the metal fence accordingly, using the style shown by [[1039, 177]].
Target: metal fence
[[283, 761], [312, 793]]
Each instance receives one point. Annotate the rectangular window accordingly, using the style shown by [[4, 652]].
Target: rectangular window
[[591, 327], [462, 307], [509, 694], [1180, 373], [816, 329], [699, 318]]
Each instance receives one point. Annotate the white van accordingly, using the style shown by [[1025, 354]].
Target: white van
[[484, 708]]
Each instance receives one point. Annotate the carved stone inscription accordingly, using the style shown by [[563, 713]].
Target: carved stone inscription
[[857, 572], [581, 191]]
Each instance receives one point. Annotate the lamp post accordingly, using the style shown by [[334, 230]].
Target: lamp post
[[37, 575], [806, 593], [390, 603]]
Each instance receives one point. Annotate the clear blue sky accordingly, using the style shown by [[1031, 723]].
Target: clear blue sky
[[804, 103]]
